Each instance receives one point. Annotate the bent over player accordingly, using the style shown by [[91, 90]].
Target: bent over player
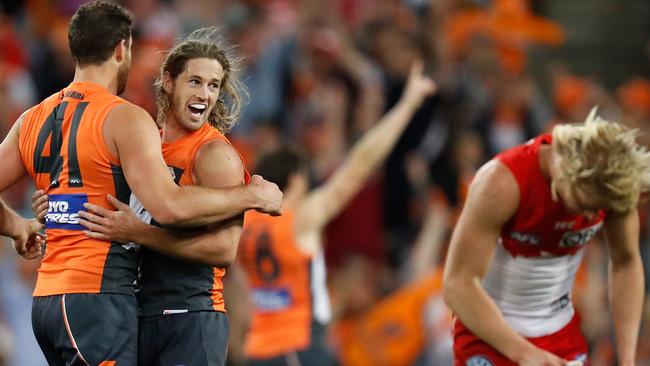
[[520, 239]]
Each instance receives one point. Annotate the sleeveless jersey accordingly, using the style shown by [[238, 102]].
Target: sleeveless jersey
[[169, 285], [539, 252], [287, 286], [62, 147]]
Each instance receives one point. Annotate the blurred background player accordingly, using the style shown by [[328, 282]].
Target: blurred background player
[[521, 237], [80, 145], [282, 258], [410, 325]]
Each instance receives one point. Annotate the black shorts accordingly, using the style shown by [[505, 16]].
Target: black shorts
[[317, 354], [87, 329], [197, 338]]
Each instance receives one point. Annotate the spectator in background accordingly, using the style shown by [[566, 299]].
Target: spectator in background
[[408, 326], [634, 98]]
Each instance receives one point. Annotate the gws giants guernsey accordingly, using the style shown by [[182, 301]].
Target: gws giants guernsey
[[62, 147], [288, 287], [169, 285]]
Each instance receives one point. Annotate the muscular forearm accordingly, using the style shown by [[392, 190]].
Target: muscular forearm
[[197, 206], [626, 289], [480, 314], [11, 223], [202, 247]]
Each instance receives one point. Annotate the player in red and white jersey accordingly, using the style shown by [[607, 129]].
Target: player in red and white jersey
[[521, 236]]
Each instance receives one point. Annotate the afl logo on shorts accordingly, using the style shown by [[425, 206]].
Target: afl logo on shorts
[[479, 361]]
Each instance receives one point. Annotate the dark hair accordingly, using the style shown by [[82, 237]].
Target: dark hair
[[205, 43], [95, 29], [278, 165]]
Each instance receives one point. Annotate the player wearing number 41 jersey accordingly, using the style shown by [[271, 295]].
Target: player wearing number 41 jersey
[[182, 309], [83, 144], [92, 266], [530, 212]]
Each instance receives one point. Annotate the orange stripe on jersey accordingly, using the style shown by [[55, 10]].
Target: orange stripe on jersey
[[62, 147], [279, 277], [181, 154]]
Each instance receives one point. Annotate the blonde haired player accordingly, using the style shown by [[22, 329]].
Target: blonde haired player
[[520, 239]]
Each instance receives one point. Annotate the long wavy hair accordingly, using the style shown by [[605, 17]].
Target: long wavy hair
[[205, 43]]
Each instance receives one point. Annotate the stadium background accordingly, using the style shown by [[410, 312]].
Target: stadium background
[[320, 73]]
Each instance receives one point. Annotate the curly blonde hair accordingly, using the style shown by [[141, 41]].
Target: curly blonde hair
[[205, 43], [604, 158]]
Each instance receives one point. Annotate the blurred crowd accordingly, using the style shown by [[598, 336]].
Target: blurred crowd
[[320, 74]]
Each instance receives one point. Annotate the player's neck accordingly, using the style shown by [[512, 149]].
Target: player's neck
[[100, 75], [171, 130], [547, 163], [545, 160]]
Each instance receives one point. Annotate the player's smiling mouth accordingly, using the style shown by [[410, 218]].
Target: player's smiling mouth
[[197, 109]]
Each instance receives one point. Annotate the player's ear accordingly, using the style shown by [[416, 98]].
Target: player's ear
[[121, 49], [168, 82]]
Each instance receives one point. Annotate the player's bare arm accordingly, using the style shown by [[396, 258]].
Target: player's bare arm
[[123, 226], [23, 232], [626, 281], [132, 135], [326, 202], [12, 169], [217, 165], [240, 310], [432, 236], [492, 200]]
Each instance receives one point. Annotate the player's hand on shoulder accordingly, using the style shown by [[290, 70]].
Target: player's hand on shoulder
[[267, 195]]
